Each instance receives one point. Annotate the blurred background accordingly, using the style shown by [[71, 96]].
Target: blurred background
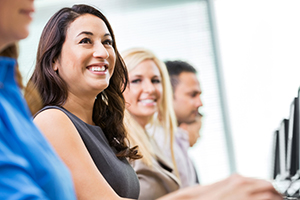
[[247, 53]]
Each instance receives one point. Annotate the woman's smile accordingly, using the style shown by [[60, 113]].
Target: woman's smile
[[99, 68]]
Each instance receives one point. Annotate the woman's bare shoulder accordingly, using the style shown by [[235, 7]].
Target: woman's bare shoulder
[[55, 125], [51, 116]]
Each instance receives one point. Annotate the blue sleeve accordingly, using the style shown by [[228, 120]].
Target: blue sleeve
[[17, 183]]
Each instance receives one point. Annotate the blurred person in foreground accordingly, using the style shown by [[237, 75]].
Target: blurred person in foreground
[[29, 167]]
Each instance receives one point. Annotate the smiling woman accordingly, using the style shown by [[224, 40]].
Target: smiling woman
[[87, 58], [144, 93], [149, 93], [81, 76]]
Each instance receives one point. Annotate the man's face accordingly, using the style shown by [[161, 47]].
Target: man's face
[[187, 97], [193, 130]]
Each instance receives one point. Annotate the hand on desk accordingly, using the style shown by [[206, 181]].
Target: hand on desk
[[235, 187]]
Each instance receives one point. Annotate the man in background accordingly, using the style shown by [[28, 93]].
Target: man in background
[[186, 101], [186, 90]]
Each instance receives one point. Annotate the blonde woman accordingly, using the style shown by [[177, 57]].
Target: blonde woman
[[146, 96]]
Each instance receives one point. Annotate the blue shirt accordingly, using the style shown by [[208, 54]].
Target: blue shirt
[[29, 167]]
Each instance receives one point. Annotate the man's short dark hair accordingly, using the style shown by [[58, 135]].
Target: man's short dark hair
[[175, 68]]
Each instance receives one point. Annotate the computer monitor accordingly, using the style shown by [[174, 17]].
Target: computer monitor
[[293, 139], [283, 138], [275, 158]]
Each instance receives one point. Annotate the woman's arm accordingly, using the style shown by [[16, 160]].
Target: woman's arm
[[235, 187], [62, 134]]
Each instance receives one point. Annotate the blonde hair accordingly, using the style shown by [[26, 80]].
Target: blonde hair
[[166, 115]]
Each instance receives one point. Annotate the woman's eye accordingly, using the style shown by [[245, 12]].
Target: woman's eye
[[85, 41], [135, 81], [156, 81], [108, 42]]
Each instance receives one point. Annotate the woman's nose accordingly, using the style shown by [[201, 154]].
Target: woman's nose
[[149, 87], [100, 51]]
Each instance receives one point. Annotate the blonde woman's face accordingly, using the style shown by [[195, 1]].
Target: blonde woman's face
[[143, 95], [15, 17]]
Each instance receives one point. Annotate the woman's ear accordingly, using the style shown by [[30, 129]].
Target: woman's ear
[[55, 64]]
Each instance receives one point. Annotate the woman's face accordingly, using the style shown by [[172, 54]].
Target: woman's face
[[15, 16], [144, 92], [87, 59]]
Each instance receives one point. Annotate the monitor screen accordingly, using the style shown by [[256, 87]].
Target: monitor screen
[[293, 139], [283, 139], [275, 161]]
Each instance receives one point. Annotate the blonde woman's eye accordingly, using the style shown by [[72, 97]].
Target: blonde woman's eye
[[156, 81], [136, 81]]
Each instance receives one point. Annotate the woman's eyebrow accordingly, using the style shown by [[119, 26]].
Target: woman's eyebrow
[[90, 33], [85, 33], [107, 34]]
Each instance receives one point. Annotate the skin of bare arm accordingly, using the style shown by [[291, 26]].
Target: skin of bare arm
[[62, 134], [235, 187]]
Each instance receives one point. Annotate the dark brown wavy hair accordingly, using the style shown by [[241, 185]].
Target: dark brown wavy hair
[[109, 106]]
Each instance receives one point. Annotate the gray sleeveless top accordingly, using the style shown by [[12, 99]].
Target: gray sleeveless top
[[117, 172]]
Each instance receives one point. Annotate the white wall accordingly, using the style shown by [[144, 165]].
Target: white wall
[[260, 50]]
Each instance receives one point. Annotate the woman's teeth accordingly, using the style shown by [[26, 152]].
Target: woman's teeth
[[98, 69], [147, 101]]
